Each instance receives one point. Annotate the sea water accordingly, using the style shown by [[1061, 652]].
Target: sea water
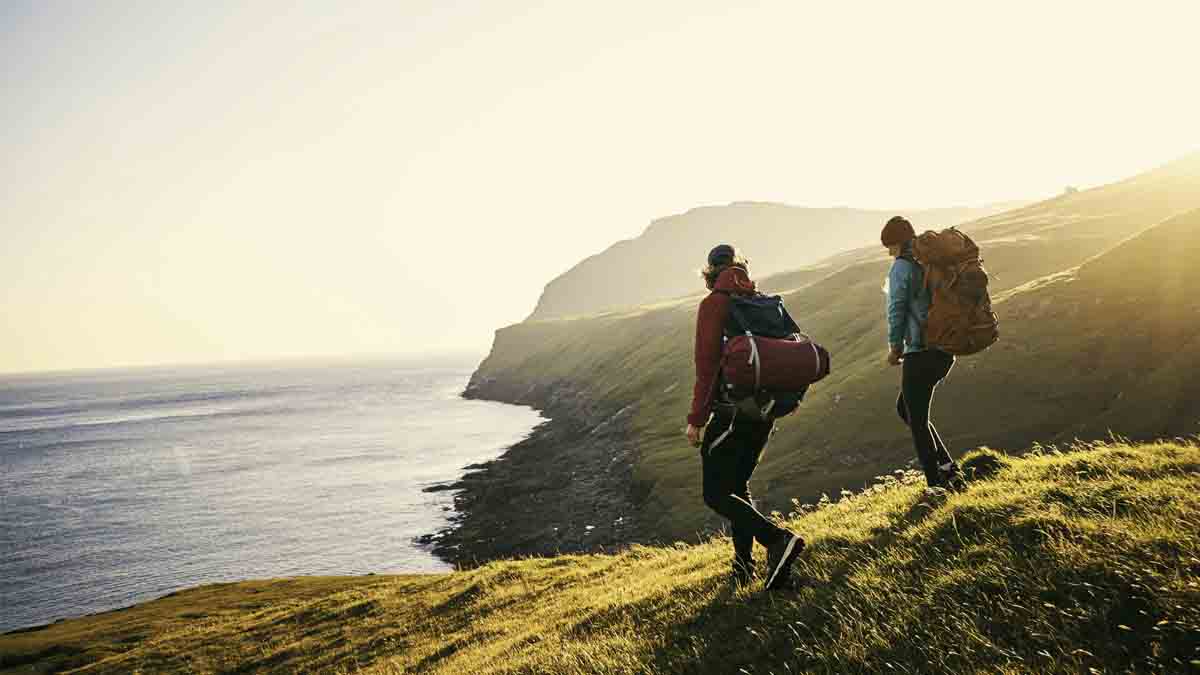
[[120, 486]]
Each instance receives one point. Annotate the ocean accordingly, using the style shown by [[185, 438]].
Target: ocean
[[120, 486]]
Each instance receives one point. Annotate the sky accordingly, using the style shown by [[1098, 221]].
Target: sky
[[194, 182]]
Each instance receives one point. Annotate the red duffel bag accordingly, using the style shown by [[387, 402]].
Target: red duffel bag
[[752, 364]]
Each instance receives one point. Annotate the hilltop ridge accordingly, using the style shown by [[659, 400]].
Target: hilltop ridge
[[661, 263]]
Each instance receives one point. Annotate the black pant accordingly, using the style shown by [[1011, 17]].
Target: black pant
[[923, 371], [727, 469]]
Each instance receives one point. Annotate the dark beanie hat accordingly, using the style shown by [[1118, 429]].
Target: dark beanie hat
[[721, 255], [897, 231]]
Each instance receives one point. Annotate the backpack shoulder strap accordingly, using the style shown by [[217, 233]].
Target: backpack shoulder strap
[[918, 266], [736, 314]]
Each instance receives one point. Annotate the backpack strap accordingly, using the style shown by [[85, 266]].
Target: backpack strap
[[736, 312], [725, 434], [754, 358], [910, 257]]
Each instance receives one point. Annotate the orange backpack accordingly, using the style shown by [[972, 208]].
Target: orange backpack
[[961, 320]]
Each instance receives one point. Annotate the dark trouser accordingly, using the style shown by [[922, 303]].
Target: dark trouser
[[923, 371], [727, 469]]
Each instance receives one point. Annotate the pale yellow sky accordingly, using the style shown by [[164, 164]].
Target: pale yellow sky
[[245, 180]]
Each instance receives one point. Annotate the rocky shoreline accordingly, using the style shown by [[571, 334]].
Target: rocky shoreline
[[567, 488]]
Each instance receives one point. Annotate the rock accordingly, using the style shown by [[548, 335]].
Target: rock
[[524, 502]]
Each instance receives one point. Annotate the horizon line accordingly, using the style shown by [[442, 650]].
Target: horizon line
[[477, 355]]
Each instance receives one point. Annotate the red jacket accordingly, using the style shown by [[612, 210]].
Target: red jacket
[[710, 333]]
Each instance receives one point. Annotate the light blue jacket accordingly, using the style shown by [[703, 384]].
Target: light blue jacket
[[907, 306]]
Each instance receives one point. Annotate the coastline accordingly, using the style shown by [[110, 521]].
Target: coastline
[[566, 488]]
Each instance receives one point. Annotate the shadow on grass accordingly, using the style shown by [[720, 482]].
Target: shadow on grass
[[986, 585], [779, 616]]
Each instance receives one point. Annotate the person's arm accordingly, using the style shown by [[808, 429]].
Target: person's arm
[[709, 340], [899, 292]]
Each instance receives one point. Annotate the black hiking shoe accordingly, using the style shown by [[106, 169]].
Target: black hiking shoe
[[780, 556]]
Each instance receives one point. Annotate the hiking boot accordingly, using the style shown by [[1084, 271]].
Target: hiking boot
[[780, 556]]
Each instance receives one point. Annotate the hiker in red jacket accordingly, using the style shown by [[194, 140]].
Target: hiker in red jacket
[[730, 452]]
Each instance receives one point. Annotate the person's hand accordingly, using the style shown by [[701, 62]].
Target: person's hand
[[694, 435], [894, 357]]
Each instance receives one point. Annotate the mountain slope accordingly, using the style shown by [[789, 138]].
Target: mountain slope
[[1084, 561], [1061, 370], [662, 262]]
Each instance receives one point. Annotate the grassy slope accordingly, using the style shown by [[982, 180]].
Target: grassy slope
[[92, 639], [1052, 563], [1056, 373]]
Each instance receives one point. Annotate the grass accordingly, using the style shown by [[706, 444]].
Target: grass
[[1083, 560]]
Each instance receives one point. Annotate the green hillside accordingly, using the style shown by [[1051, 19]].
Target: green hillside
[[1085, 561], [1098, 328], [661, 263]]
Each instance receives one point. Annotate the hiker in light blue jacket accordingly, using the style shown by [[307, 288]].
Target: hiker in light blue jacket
[[907, 303], [924, 367]]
